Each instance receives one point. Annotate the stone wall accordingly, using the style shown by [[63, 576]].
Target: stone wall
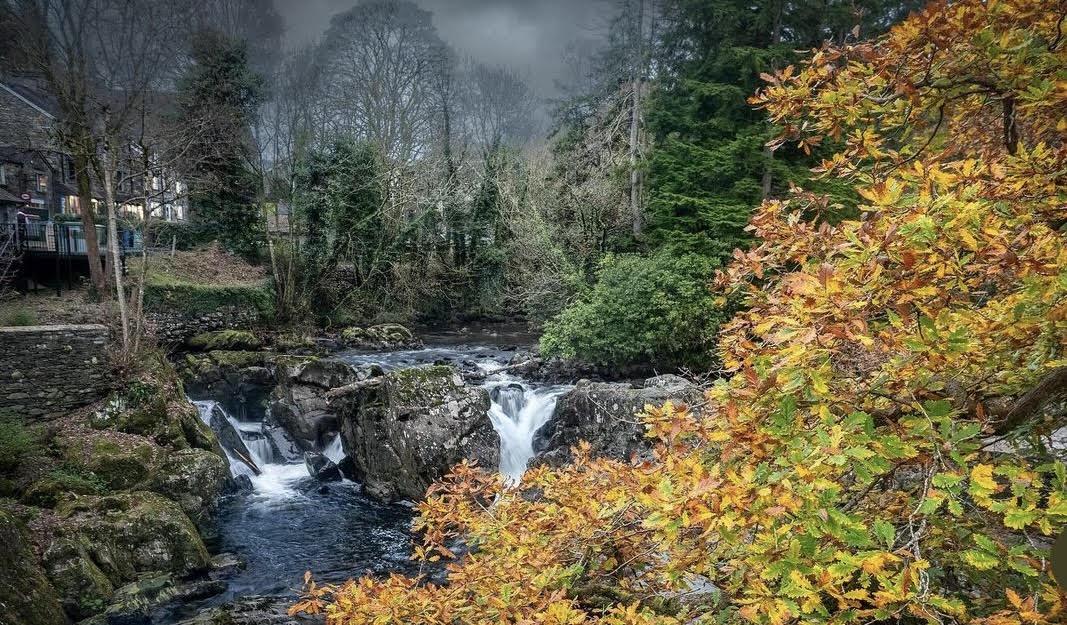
[[175, 327], [48, 370]]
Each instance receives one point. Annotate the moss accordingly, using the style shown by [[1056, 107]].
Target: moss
[[60, 483], [411, 385], [239, 359], [26, 595], [226, 340], [165, 294], [17, 441], [119, 462]]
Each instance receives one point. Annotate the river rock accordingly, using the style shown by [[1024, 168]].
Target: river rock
[[605, 415], [380, 337], [298, 404], [224, 339], [97, 544], [321, 468], [26, 595], [409, 429], [254, 611]]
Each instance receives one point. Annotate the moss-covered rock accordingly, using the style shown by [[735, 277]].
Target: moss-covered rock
[[26, 595], [194, 478], [100, 543], [226, 340], [408, 429], [62, 483], [383, 336], [122, 462]]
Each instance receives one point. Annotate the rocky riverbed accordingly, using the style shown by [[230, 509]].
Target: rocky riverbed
[[302, 459]]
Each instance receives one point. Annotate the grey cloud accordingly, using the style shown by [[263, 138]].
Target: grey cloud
[[528, 36]]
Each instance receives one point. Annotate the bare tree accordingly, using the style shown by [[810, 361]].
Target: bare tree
[[378, 59], [499, 107], [101, 58]]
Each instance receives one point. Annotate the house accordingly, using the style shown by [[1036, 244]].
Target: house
[[45, 172]]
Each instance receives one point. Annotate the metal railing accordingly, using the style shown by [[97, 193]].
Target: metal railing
[[65, 238]]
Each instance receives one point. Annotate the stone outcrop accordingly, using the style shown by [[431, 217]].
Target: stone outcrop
[[380, 337], [407, 428], [98, 544], [321, 468], [605, 415], [240, 340], [298, 403], [26, 595]]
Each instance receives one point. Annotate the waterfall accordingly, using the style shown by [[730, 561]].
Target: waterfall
[[277, 478], [335, 451], [517, 412]]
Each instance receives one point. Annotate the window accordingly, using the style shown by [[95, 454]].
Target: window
[[42, 183], [3, 175]]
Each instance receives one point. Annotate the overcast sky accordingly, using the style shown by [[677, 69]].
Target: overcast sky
[[529, 36]]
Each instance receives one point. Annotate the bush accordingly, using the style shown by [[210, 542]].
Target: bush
[[641, 310], [16, 442], [18, 317], [184, 235]]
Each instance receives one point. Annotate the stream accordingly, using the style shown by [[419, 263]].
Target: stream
[[289, 522]]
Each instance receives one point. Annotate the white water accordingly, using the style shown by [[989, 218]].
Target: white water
[[518, 410], [276, 481]]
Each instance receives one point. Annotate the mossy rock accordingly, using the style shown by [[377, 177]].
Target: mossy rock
[[120, 462], [100, 543], [194, 478], [61, 484], [26, 595], [241, 340], [238, 359], [383, 336]]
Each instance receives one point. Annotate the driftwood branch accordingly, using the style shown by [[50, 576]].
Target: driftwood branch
[[481, 375], [348, 388], [248, 461]]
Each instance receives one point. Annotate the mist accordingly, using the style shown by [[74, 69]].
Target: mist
[[530, 37]]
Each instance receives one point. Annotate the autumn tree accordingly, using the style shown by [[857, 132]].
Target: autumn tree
[[878, 451]]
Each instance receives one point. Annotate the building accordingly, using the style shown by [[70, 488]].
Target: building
[[42, 181]]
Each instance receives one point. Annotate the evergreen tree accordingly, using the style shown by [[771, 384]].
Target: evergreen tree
[[219, 95], [710, 166]]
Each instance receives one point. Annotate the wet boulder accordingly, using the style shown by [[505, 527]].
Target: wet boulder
[[321, 468], [194, 479], [406, 429], [298, 403], [605, 415]]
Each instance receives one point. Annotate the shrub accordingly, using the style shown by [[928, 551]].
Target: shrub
[[166, 295], [641, 310], [18, 317], [184, 235], [16, 442]]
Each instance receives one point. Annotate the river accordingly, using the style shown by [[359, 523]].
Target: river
[[289, 523]]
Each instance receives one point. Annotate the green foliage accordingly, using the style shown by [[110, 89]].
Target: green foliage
[[641, 309], [16, 441], [709, 167], [183, 235], [219, 93], [18, 317]]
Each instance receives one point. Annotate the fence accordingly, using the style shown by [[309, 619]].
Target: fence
[[64, 239]]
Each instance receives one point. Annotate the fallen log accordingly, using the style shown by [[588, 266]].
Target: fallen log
[[248, 461], [348, 388]]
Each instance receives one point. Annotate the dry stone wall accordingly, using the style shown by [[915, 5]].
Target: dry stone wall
[[49, 370]]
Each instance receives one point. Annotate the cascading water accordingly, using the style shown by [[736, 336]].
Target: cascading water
[[289, 521]]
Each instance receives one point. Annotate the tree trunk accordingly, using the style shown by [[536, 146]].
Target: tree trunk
[[114, 244], [635, 121], [88, 218]]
